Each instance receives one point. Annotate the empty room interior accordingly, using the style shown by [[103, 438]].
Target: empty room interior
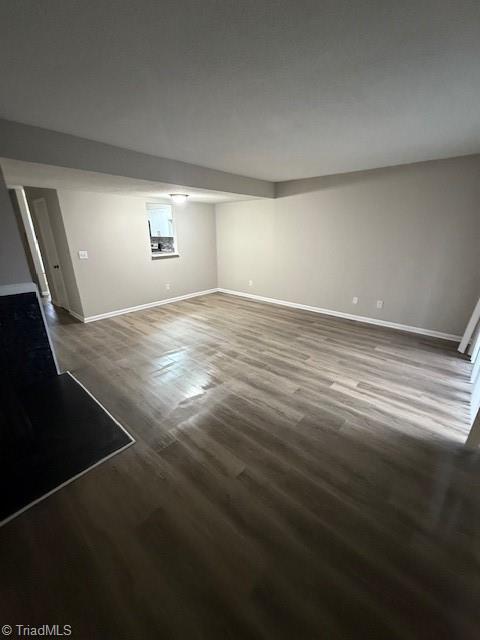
[[240, 319]]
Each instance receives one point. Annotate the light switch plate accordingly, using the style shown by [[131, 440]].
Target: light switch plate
[[83, 255]]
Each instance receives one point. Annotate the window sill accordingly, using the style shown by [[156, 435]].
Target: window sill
[[159, 256]]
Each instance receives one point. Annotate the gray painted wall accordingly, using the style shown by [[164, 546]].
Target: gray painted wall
[[33, 144], [13, 261], [407, 235], [120, 272]]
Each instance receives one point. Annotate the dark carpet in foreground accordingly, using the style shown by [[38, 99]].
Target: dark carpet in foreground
[[50, 433]]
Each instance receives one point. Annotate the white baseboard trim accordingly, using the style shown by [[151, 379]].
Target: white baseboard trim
[[141, 307], [76, 315], [347, 316], [283, 303]]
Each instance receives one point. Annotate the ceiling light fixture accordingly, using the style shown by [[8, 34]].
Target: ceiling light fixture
[[179, 198]]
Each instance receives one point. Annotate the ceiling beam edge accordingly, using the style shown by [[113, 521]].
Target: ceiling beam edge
[[34, 144]]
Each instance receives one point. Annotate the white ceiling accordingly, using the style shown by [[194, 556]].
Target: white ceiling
[[30, 174], [273, 89]]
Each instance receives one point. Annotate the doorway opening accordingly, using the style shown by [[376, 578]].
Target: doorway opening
[[43, 248]]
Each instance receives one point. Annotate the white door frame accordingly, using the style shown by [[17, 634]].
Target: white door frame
[[32, 240], [472, 323]]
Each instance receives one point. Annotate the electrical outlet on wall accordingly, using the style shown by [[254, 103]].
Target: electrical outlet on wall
[[250, 283], [379, 304], [83, 255], [355, 300], [167, 286]]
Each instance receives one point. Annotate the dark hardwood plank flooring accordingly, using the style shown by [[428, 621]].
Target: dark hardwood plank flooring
[[294, 476]]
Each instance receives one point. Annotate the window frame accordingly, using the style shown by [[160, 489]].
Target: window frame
[[155, 255]]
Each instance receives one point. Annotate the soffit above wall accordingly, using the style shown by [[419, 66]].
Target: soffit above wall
[[18, 173], [42, 146]]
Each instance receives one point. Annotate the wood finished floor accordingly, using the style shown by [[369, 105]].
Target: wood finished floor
[[295, 476]]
